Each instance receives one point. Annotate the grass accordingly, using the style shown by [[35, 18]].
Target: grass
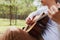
[[5, 23]]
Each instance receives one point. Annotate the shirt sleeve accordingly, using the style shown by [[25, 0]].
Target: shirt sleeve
[[41, 10]]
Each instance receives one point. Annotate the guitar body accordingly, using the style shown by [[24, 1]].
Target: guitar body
[[39, 27]]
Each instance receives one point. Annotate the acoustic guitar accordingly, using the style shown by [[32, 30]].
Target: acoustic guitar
[[38, 28]]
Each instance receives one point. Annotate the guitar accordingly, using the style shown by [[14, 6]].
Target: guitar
[[38, 27]]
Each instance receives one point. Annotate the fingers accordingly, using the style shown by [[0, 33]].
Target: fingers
[[54, 14], [29, 21], [52, 11]]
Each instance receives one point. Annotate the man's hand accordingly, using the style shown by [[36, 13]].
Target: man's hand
[[55, 17], [29, 21], [54, 14]]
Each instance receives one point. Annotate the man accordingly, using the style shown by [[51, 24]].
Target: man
[[51, 33]]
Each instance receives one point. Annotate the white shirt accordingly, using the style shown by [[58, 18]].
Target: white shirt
[[52, 32]]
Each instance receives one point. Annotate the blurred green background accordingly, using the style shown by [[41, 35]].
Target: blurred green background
[[14, 12]]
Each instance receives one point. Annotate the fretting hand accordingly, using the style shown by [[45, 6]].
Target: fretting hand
[[54, 13]]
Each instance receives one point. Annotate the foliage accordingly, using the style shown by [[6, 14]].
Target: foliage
[[19, 8]]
